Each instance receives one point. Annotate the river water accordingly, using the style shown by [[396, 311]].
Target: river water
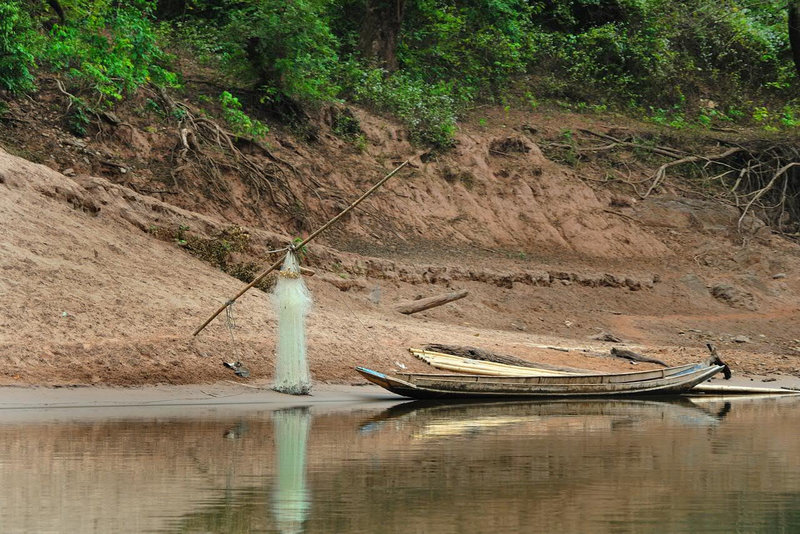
[[699, 465]]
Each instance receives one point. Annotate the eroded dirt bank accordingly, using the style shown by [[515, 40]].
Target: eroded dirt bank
[[92, 296]]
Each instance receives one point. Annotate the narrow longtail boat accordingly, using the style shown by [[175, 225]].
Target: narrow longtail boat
[[427, 386]]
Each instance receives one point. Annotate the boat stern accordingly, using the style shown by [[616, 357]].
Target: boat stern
[[373, 376]]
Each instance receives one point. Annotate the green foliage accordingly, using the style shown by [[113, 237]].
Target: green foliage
[[760, 114], [180, 235], [665, 59], [647, 54], [673, 116], [481, 43], [568, 156], [219, 250], [347, 126], [427, 109], [302, 252], [107, 50], [238, 120], [790, 116], [289, 46], [17, 46], [662, 52], [78, 117], [103, 50]]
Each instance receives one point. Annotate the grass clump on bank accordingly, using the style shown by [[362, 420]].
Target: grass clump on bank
[[224, 250]]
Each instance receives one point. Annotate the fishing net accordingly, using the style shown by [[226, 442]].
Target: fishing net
[[292, 301]]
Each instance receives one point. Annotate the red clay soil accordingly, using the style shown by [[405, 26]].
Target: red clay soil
[[549, 257]]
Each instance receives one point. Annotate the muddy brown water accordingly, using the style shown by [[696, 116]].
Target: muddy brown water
[[693, 465]]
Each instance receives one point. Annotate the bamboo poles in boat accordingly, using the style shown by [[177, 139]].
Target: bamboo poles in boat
[[460, 364]]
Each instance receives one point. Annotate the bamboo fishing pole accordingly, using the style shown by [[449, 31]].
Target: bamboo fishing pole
[[299, 246]]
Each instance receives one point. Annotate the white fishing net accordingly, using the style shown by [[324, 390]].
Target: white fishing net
[[292, 302]]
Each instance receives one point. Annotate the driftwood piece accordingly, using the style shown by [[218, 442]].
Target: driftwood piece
[[430, 302], [633, 356], [488, 356], [606, 336], [714, 359]]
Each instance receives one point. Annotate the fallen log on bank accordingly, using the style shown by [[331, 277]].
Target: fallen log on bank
[[634, 356], [415, 306]]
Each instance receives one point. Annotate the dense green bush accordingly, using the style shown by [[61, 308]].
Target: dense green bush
[[427, 109], [661, 52], [479, 43], [239, 121], [708, 59], [107, 50], [100, 49], [17, 45], [287, 48]]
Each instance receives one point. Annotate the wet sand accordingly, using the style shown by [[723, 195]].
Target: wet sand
[[26, 404], [231, 396]]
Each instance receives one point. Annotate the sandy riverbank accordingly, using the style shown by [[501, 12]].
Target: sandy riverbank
[[92, 297], [183, 399], [20, 403]]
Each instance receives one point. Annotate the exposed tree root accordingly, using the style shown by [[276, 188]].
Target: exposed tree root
[[659, 175], [756, 195], [615, 144], [206, 147], [761, 178]]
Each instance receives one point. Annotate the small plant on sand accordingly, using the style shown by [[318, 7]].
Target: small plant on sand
[[238, 120]]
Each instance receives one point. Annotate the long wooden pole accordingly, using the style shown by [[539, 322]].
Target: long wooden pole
[[324, 227]]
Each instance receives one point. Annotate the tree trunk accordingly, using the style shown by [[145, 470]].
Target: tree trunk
[[58, 9], [170, 9], [380, 30], [794, 31]]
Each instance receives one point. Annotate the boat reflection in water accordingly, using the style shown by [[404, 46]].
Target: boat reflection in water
[[435, 419]]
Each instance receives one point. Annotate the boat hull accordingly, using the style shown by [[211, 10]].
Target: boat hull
[[420, 386]]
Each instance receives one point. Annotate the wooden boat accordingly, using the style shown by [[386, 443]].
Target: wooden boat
[[427, 386], [462, 364]]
